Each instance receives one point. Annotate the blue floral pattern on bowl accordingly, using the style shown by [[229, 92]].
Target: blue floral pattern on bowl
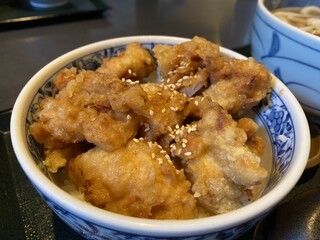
[[273, 113]]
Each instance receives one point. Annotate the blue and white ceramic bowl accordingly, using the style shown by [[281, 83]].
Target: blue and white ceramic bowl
[[289, 53], [283, 126]]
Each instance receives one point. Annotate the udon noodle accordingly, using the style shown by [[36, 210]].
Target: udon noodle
[[306, 18]]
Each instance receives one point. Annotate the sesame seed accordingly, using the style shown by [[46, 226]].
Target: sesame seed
[[184, 140], [171, 86], [146, 129], [153, 155], [196, 103], [187, 153], [136, 140], [184, 145], [129, 71], [128, 117], [196, 195], [151, 112], [141, 138], [131, 83], [163, 110], [150, 144]]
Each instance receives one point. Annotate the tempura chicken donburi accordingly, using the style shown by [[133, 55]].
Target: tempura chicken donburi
[[179, 148]]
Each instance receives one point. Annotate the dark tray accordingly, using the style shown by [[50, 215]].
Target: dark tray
[[24, 215], [20, 13]]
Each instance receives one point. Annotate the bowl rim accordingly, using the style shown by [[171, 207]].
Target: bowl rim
[[148, 227], [288, 29]]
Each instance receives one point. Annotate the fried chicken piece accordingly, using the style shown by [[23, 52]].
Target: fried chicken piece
[[239, 85], [56, 152], [168, 110], [134, 63], [256, 145], [196, 65], [94, 108], [56, 158], [138, 180], [254, 142], [217, 161], [248, 125], [42, 136], [188, 66], [63, 77]]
